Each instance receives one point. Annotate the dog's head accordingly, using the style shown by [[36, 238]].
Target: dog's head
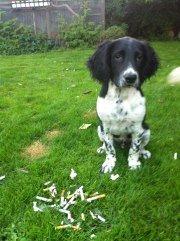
[[125, 61]]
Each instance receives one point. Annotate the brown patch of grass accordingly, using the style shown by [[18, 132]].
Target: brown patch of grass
[[52, 134], [90, 114], [36, 150]]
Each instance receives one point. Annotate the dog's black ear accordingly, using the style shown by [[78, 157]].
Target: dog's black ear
[[151, 61], [99, 63]]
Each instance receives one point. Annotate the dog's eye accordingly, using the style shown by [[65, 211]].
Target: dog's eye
[[118, 57], [139, 58]]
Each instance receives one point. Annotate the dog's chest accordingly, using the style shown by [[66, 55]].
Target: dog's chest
[[121, 111]]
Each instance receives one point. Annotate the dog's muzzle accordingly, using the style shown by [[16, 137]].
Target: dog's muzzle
[[130, 78]]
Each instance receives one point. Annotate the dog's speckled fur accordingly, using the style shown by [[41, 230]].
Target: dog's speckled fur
[[121, 66]]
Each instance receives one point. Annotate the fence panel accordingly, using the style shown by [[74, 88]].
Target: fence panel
[[44, 15]]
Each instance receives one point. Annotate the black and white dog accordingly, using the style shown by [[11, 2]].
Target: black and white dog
[[121, 66]]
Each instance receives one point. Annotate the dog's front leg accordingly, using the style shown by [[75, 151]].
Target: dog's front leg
[[110, 161], [134, 151]]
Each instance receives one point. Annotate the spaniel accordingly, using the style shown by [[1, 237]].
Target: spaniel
[[121, 66]]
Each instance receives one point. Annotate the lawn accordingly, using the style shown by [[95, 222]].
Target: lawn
[[45, 92]]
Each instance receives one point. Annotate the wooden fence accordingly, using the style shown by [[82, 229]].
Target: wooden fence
[[45, 15]]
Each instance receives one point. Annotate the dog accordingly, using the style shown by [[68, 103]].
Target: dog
[[121, 66]]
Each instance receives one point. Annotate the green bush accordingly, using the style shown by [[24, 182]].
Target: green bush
[[113, 32], [16, 38], [79, 33]]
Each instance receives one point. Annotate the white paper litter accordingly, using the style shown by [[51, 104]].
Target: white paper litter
[[74, 227], [2, 177], [44, 199], [92, 215], [83, 216], [114, 177], [95, 197], [71, 200], [92, 236], [84, 126], [97, 216], [69, 216], [175, 156], [94, 194], [53, 190], [36, 208], [81, 193], [73, 174], [47, 183], [101, 218], [64, 201]]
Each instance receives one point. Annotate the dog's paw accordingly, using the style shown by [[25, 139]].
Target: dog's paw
[[145, 154], [101, 150], [133, 163], [108, 165]]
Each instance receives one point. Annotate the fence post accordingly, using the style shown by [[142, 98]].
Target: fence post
[[103, 13], [34, 22], [48, 23]]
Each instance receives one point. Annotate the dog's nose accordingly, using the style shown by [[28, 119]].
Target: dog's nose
[[130, 78]]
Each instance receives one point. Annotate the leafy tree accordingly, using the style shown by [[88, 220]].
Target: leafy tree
[[145, 18]]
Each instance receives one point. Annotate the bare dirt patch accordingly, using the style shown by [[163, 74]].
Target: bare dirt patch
[[36, 150], [91, 114], [52, 134]]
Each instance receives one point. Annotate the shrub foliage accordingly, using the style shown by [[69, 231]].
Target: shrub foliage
[[16, 39], [145, 18]]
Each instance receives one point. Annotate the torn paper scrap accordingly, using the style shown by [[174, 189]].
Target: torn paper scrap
[[63, 202], [69, 195], [81, 193], [84, 126], [94, 194], [47, 183], [69, 216], [36, 208], [97, 216], [83, 216], [95, 198], [71, 200], [73, 174], [101, 218], [175, 156], [2, 177], [114, 177], [92, 215], [53, 190], [92, 236], [44, 199], [74, 227], [63, 226]]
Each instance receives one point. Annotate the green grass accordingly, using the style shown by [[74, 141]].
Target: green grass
[[37, 96]]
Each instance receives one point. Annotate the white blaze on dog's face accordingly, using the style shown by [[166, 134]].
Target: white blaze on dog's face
[[127, 60], [129, 77]]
